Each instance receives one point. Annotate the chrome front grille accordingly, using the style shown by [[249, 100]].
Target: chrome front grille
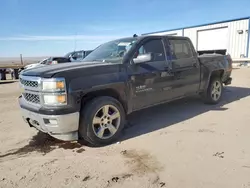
[[30, 87], [33, 98], [28, 83]]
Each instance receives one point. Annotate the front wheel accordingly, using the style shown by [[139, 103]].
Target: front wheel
[[102, 121], [214, 91]]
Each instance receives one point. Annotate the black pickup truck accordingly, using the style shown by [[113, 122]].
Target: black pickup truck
[[90, 100]]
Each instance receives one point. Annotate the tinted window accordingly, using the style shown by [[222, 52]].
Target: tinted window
[[180, 49], [79, 55], [87, 53], [153, 46]]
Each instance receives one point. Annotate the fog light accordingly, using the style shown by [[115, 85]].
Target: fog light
[[53, 121]]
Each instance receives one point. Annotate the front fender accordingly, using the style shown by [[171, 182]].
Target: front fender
[[81, 86]]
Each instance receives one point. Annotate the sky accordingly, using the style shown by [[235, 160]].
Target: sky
[[54, 27]]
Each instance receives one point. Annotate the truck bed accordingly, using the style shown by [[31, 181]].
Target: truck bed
[[216, 61]]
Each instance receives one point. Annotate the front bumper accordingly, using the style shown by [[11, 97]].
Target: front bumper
[[63, 127]]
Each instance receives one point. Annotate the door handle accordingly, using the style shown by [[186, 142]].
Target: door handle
[[195, 65]]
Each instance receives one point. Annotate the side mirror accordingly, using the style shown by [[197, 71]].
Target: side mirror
[[143, 58]]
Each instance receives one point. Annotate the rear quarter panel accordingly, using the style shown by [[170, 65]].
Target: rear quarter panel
[[211, 63]]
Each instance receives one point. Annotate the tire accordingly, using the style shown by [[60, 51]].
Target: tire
[[106, 130], [209, 95]]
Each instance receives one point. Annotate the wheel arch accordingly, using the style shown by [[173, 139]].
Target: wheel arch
[[215, 73], [110, 92]]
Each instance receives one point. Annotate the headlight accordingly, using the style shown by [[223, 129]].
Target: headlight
[[53, 85], [55, 99], [54, 92]]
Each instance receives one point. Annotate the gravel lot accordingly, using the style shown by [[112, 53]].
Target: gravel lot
[[182, 144]]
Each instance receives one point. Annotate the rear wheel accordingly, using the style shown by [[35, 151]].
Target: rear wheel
[[102, 121], [214, 91]]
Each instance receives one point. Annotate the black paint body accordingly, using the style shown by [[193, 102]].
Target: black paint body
[[136, 85]]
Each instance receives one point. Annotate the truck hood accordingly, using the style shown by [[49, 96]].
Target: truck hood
[[50, 70]]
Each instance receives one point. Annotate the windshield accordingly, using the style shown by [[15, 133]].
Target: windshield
[[111, 52]]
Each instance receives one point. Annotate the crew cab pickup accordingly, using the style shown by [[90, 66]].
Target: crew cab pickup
[[90, 99]]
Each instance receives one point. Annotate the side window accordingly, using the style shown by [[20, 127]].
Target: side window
[[180, 49], [81, 54], [78, 55], [87, 53], [153, 46], [141, 50]]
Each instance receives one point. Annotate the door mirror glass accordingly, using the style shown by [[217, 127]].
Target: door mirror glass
[[143, 58]]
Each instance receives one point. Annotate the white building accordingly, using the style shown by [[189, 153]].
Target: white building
[[230, 36]]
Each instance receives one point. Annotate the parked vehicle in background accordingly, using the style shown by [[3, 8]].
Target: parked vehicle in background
[[29, 66], [69, 57], [47, 61], [33, 65], [90, 100], [56, 60], [78, 55]]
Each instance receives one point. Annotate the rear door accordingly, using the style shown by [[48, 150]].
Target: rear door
[[150, 80], [186, 67]]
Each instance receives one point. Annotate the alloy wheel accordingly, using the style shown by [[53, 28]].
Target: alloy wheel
[[106, 121]]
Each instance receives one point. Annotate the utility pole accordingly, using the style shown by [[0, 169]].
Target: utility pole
[[21, 57], [75, 42]]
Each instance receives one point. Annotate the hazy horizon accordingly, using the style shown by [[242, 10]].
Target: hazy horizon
[[17, 60], [27, 57]]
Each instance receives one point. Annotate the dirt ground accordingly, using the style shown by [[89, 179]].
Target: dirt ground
[[182, 144]]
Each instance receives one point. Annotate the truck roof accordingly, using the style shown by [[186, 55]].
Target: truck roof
[[152, 36], [168, 36]]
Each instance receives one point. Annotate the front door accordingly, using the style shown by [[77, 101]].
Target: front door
[[151, 80]]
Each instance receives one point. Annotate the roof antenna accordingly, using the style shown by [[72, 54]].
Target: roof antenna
[[75, 41], [135, 35]]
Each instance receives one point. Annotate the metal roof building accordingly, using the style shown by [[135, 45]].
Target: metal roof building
[[229, 36]]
